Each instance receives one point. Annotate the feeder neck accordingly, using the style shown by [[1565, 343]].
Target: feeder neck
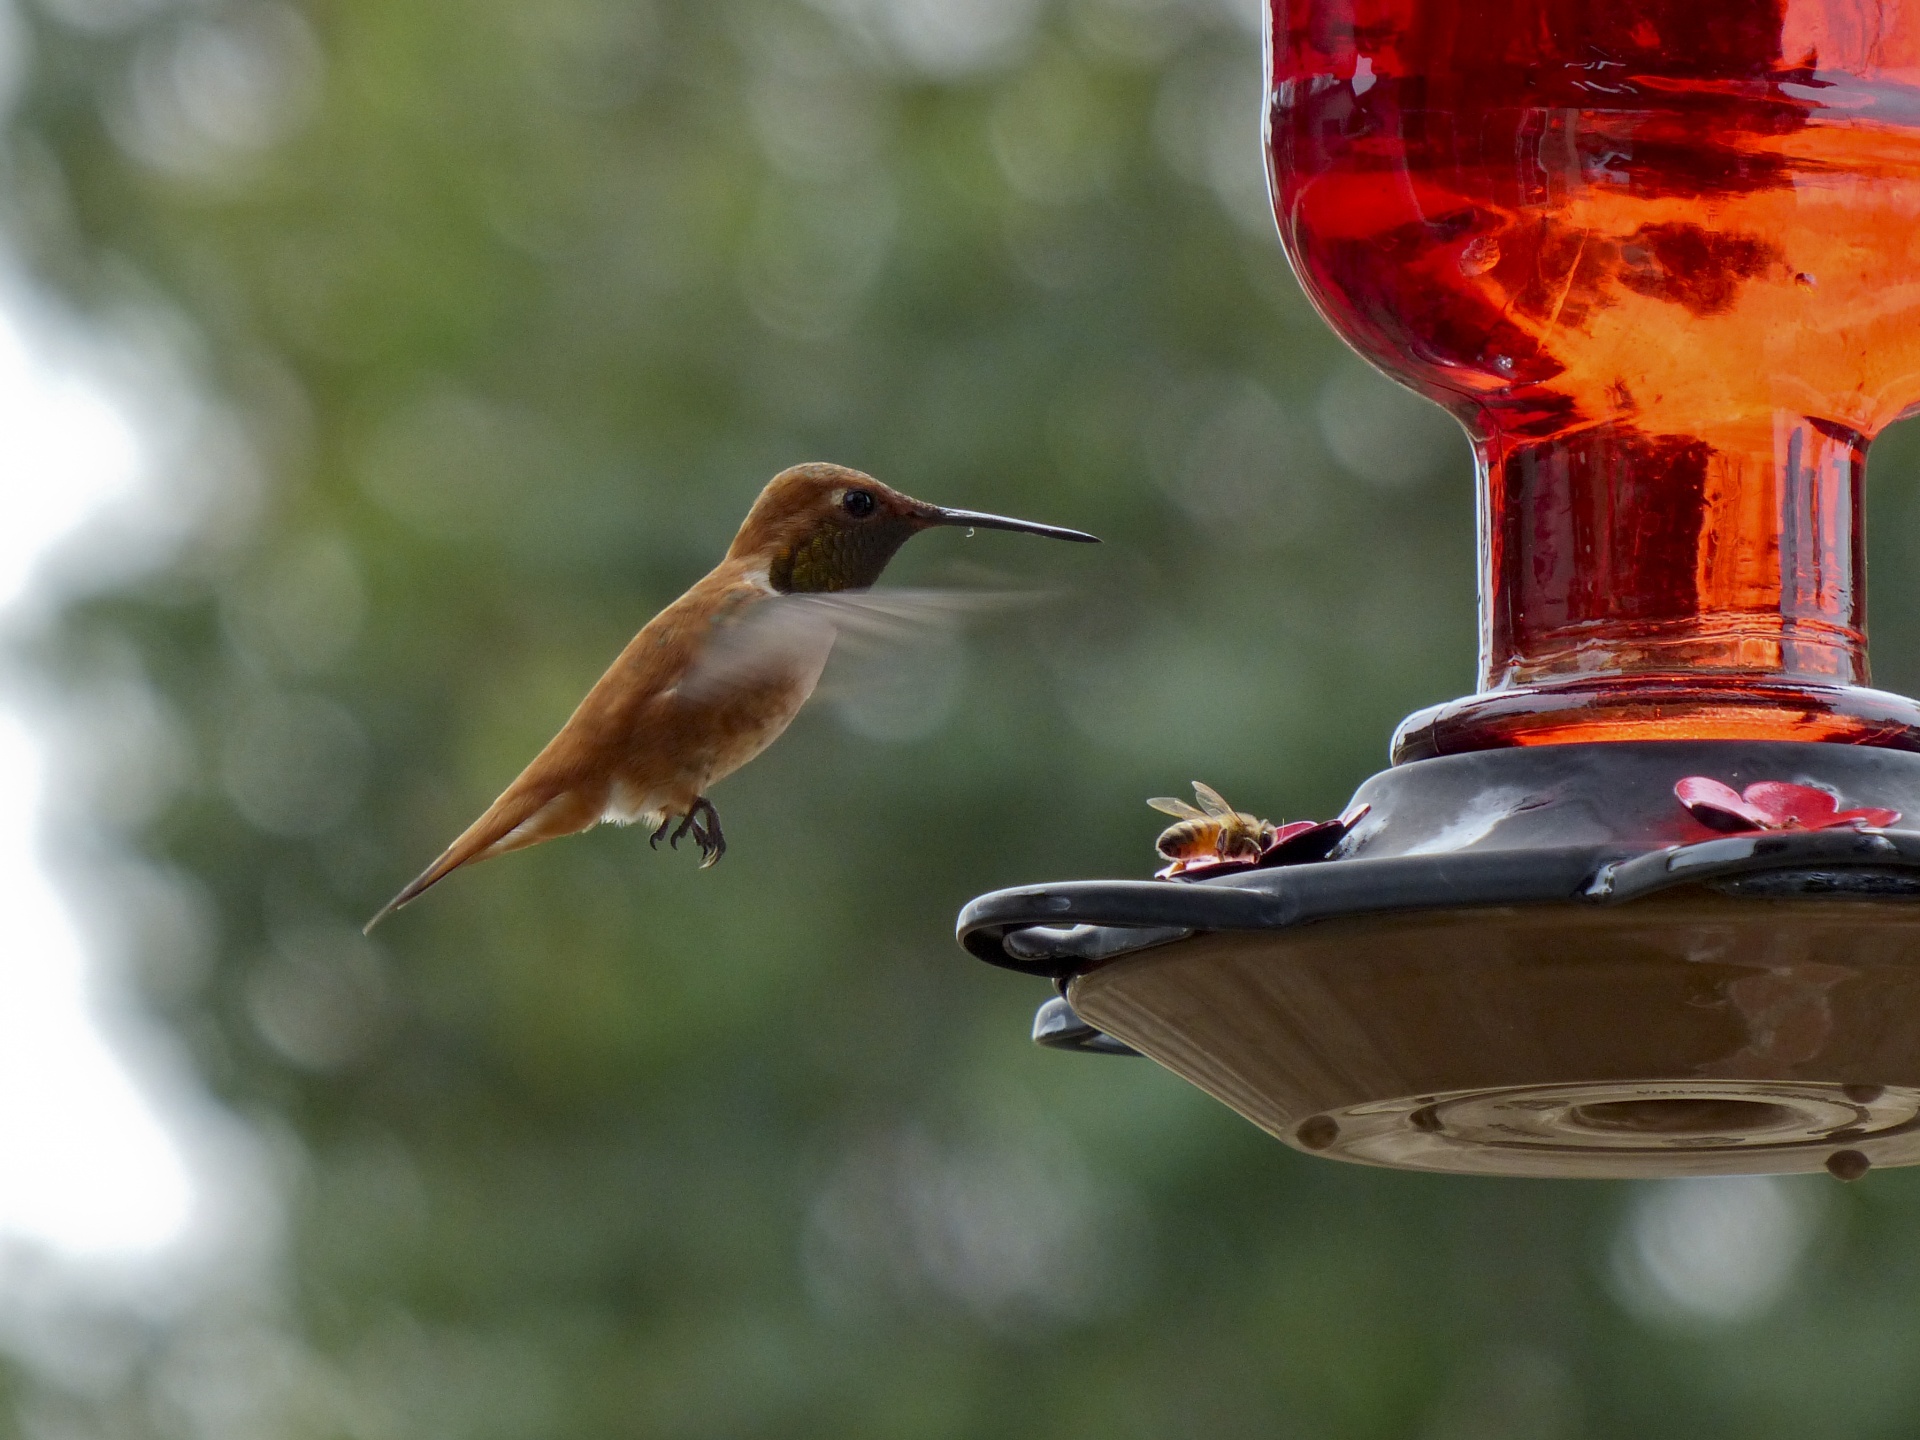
[[1735, 551], [1708, 586]]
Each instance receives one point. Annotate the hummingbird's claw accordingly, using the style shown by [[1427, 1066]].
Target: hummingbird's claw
[[654, 839], [708, 837], [702, 822]]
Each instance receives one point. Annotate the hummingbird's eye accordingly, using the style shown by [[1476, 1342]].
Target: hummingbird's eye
[[858, 503]]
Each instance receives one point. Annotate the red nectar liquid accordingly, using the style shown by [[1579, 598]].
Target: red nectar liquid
[[1662, 258]]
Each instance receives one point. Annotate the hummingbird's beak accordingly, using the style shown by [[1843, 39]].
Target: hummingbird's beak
[[974, 519]]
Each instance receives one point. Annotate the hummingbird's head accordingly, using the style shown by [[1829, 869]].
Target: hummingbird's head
[[825, 527]]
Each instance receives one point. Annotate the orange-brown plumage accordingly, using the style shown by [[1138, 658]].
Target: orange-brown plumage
[[714, 678]]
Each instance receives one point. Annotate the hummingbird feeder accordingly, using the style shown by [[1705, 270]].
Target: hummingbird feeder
[[1645, 904]]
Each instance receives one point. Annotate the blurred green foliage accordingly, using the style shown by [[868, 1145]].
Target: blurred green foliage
[[510, 306]]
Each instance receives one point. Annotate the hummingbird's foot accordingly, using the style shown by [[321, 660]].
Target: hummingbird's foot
[[686, 824], [707, 836], [654, 839], [711, 842]]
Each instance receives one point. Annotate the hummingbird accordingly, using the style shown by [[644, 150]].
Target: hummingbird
[[714, 678]]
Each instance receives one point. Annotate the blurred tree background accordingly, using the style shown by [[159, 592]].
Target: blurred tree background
[[503, 311]]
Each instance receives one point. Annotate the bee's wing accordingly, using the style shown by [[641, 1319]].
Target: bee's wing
[[1210, 801], [1166, 804], [781, 634]]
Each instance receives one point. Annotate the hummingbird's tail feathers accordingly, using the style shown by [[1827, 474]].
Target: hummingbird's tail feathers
[[419, 883], [519, 818]]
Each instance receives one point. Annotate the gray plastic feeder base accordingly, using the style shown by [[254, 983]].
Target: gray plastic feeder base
[[1529, 961]]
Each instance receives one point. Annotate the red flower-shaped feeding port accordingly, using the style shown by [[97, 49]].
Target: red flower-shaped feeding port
[[1773, 805], [1294, 843]]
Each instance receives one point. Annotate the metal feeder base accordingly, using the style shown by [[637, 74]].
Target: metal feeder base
[[1587, 984]]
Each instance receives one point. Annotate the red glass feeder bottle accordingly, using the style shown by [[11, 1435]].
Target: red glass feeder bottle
[[1644, 903], [1659, 259]]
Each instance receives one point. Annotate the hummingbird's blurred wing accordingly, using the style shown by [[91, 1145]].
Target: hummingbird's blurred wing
[[773, 638]]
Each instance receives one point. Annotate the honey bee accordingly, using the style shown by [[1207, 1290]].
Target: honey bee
[[1216, 831]]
